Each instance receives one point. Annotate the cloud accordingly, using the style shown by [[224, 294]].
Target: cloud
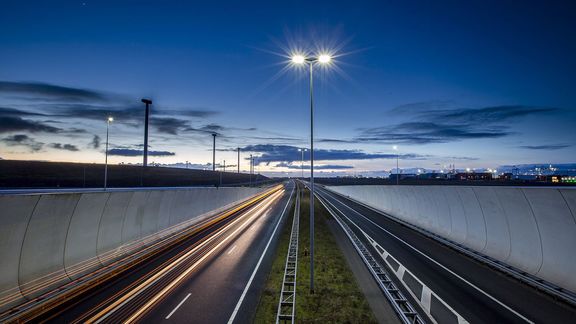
[[435, 125], [17, 124], [65, 147], [35, 90], [208, 129], [316, 167], [168, 125], [133, 152], [494, 114], [131, 114], [95, 143], [96, 112], [11, 112], [23, 140], [428, 132], [191, 113], [286, 153], [549, 147]]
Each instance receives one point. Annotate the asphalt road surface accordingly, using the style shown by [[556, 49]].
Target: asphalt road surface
[[215, 276], [469, 289]]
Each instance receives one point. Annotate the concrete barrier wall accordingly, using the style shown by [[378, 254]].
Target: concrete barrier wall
[[47, 240], [532, 229]]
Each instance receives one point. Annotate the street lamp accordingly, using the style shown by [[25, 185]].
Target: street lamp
[[251, 160], [395, 147], [302, 161], [109, 120], [311, 61], [148, 102], [213, 151], [238, 160]]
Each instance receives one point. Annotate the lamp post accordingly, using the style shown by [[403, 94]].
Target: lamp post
[[213, 151], [108, 121], [321, 59], [238, 160], [397, 168], [250, 170], [148, 102], [302, 161]]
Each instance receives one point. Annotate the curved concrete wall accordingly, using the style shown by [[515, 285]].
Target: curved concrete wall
[[47, 240], [532, 229]]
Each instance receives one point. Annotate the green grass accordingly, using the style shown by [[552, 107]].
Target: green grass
[[337, 297], [268, 306]]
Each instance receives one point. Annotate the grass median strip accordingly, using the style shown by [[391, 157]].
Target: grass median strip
[[337, 297]]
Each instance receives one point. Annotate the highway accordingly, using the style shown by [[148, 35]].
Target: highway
[[449, 286], [212, 276]]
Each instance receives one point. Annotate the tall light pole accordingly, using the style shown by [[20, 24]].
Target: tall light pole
[[250, 170], [321, 59], [302, 161], [238, 160], [397, 167], [108, 121], [148, 102], [213, 151]]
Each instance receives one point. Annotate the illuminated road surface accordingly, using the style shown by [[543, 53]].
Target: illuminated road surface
[[211, 277]]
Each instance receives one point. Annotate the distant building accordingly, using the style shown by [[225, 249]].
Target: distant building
[[402, 176], [472, 176], [506, 176], [561, 179], [433, 175]]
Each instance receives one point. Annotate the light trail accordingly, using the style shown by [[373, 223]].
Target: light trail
[[126, 298]]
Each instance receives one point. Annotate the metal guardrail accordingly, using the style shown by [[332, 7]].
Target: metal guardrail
[[406, 312], [287, 302]]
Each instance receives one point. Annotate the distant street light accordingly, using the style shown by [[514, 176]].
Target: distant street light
[[322, 59], [109, 120], [397, 167], [213, 151], [148, 102], [302, 161]]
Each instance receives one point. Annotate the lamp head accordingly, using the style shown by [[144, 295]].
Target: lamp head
[[324, 58], [110, 119], [298, 59]]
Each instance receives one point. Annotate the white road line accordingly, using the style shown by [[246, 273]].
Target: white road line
[[437, 263], [232, 249], [178, 306], [237, 308]]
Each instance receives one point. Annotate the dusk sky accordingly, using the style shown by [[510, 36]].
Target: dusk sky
[[478, 84]]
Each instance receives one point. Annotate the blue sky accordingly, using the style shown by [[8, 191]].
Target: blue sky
[[474, 83]]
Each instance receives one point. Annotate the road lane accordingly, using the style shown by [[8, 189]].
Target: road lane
[[119, 290], [500, 296], [218, 284]]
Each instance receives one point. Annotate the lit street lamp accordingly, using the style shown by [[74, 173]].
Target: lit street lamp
[[108, 121], [321, 59], [302, 161]]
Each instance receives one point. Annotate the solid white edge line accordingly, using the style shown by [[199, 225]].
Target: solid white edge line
[[237, 308], [178, 306], [437, 263]]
